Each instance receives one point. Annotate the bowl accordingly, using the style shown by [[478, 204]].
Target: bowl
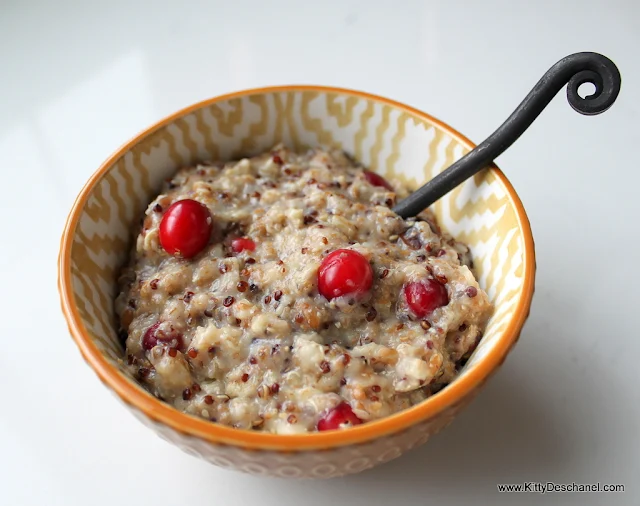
[[390, 138]]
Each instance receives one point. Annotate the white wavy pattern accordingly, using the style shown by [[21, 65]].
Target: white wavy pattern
[[387, 139]]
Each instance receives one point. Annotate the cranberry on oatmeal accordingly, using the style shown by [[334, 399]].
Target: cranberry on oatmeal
[[281, 293]]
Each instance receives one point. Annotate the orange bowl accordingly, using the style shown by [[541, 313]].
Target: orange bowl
[[389, 137]]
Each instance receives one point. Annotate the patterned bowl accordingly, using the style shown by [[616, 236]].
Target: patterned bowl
[[391, 138]]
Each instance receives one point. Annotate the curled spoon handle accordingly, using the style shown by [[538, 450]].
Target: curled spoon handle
[[573, 70]]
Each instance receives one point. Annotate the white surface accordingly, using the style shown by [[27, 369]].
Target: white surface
[[79, 78]]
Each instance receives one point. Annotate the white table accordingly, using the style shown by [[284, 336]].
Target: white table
[[79, 78]]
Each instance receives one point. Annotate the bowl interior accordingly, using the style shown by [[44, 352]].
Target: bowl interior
[[391, 139]]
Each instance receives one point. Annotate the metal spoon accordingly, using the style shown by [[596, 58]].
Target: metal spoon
[[575, 69]]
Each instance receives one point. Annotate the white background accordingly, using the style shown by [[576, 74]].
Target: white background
[[77, 79]]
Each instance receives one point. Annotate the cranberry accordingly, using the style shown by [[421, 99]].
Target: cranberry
[[423, 297], [377, 180], [185, 228], [154, 335], [243, 243], [339, 417], [344, 272]]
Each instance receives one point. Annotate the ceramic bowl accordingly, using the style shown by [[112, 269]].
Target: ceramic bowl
[[389, 137]]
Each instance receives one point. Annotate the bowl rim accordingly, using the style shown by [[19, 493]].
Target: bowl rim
[[161, 412]]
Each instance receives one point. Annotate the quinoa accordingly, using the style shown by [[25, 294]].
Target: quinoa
[[246, 339]]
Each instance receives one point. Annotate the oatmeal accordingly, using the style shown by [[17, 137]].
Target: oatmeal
[[281, 293]]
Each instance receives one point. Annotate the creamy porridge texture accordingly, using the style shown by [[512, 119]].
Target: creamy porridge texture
[[280, 293]]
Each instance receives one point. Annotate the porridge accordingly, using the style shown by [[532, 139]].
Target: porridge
[[281, 293]]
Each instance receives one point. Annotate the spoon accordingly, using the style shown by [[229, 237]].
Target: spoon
[[575, 69]]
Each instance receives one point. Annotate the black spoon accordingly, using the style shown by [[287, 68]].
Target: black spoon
[[575, 69]]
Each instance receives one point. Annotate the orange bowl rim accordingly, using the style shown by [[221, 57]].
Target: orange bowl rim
[[163, 413]]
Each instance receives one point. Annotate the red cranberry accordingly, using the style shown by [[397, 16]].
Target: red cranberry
[[423, 297], [344, 272], [243, 243], [341, 416], [154, 335], [185, 228], [377, 180]]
